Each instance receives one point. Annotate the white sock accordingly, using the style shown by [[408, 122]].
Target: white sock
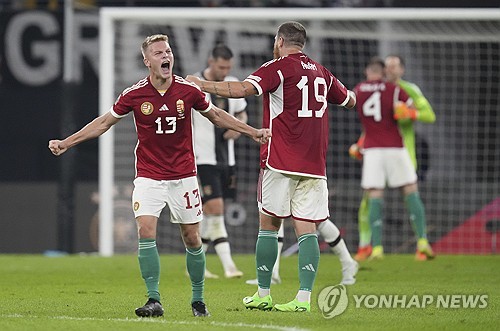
[[328, 231], [216, 231], [223, 250], [342, 252], [303, 296], [204, 233], [276, 269], [331, 233], [263, 292]]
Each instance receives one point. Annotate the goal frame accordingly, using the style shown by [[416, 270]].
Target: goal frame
[[108, 15]]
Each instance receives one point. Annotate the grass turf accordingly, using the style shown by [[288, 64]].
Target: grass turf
[[95, 293]]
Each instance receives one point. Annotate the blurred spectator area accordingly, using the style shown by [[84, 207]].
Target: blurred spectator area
[[92, 4]]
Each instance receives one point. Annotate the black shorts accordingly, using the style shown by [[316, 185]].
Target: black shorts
[[217, 181]]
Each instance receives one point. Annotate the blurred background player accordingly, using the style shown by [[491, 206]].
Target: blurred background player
[[422, 112], [386, 160], [215, 158]]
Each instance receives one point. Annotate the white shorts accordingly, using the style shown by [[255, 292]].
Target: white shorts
[[390, 167], [282, 196], [181, 195]]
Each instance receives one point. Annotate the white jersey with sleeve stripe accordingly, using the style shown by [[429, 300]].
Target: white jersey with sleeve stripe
[[296, 91], [209, 143]]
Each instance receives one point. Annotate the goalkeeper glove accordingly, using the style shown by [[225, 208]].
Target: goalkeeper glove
[[356, 150], [403, 112]]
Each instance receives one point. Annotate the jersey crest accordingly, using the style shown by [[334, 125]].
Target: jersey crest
[[147, 108]]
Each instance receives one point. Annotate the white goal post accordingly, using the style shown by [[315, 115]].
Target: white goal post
[[392, 30]]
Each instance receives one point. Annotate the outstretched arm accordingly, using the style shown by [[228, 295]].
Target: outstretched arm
[[92, 130], [225, 120], [231, 134], [230, 89]]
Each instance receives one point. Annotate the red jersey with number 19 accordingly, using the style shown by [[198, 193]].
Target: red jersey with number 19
[[375, 105], [164, 149], [296, 94]]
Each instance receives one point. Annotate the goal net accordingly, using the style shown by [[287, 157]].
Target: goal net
[[452, 55]]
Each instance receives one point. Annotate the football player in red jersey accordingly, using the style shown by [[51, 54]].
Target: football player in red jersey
[[386, 161], [162, 105], [296, 91]]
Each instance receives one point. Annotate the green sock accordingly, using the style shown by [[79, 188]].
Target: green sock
[[365, 232], [266, 251], [308, 260], [149, 263], [417, 213], [195, 261], [375, 216]]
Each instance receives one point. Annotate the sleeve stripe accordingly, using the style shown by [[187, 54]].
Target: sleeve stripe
[[346, 99], [112, 111], [254, 83], [255, 78], [205, 110]]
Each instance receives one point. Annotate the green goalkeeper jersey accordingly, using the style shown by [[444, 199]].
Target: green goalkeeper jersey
[[425, 114]]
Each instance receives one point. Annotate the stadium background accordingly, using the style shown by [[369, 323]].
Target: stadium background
[[459, 159]]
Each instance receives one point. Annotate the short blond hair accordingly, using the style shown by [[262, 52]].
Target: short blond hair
[[151, 40]]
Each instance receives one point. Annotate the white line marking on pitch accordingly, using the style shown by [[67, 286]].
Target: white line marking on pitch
[[163, 321]]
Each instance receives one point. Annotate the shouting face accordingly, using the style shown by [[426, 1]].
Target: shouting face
[[160, 60]]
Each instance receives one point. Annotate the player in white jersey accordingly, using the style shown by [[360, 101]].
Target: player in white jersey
[[214, 148], [296, 91], [162, 105]]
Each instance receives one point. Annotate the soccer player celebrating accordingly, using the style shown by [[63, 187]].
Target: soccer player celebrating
[[386, 161], [292, 181], [162, 104], [423, 112], [214, 149]]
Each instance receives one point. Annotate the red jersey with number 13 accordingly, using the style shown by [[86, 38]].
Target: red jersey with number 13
[[375, 106], [296, 93], [164, 148]]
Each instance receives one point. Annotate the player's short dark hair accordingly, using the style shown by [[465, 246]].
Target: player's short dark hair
[[376, 63], [401, 59], [221, 51], [293, 33]]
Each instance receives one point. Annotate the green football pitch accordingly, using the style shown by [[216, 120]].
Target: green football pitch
[[95, 293]]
